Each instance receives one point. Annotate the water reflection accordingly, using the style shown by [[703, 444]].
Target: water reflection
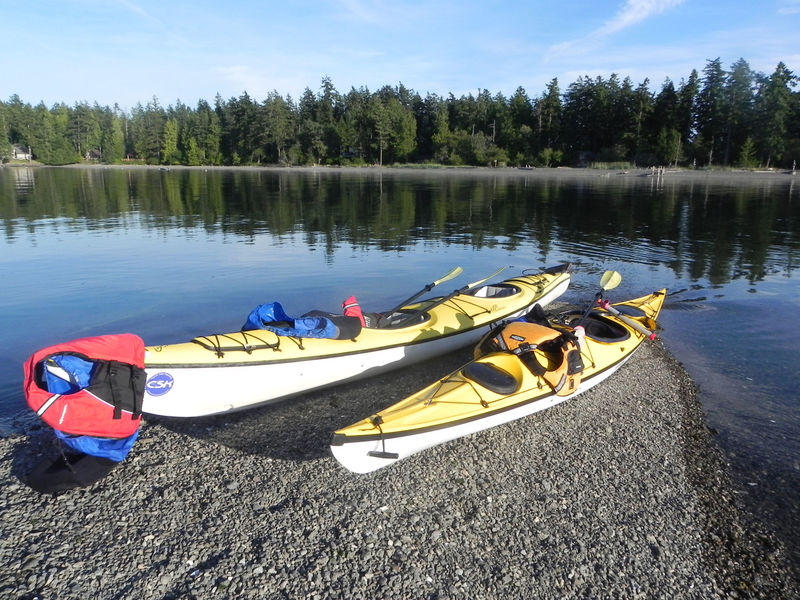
[[701, 230]]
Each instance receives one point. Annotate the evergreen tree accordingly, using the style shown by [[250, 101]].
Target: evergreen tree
[[425, 113], [194, 155], [244, 129], [402, 134], [147, 130], [5, 144], [354, 129], [310, 133], [739, 104], [627, 109], [184, 121], [328, 107], [442, 147], [112, 136], [227, 141], [84, 129], [584, 112], [711, 111], [716, 119], [278, 125], [20, 120], [170, 153], [774, 108], [663, 125], [379, 116], [686, 117], [548, 112], [747, 154], [643, 108], [520, 109], [501, 127], [207, 131]]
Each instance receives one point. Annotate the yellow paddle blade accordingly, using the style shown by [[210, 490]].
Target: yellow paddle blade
[[469, 286], [452, 274], [610, 280]]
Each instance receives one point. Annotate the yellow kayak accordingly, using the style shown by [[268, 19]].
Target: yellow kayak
[[232, 371], [519, 369]]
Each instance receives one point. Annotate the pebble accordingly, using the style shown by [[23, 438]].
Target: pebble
[[617, 493]]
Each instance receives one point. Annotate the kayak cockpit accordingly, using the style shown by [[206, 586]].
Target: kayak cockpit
[[498, 290], [597, 327], [399, 319]]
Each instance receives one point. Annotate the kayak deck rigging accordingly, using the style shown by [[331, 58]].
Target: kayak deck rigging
[[215, 342], [215, 345]]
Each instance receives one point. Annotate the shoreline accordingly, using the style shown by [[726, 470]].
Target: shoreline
[[661, 174], [619, 492]]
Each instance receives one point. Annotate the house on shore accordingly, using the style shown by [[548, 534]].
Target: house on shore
[[20, 153]]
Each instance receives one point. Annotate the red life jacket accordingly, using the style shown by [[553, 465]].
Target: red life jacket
[[111, 405], [351, 308]]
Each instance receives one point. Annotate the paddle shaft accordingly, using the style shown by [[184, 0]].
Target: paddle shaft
[[454, 273], [606, 305], [608, 281], [451, 295]]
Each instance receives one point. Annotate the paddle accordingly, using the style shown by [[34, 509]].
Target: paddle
[[451, 275], [606, 305], [444, 299], [608, 281]]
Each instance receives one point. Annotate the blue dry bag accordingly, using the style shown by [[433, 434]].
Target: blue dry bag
[[273, 318]]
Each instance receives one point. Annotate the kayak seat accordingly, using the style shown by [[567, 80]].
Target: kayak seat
[[500, 290], [403, 318], [491, 377]]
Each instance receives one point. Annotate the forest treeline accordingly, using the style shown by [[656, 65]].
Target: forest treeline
[[733, 117]]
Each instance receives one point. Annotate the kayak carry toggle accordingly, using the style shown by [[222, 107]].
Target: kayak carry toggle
[[376, 422]]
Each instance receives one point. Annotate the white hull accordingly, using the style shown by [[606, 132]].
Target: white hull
[[355, 455], [193, 391], [198, 391]]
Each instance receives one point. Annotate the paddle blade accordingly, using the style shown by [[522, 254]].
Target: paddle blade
[[451, 275], [469, 286], [610, 280]]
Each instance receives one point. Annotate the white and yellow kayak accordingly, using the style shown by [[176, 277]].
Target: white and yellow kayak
[[226, 372], [520, 369]]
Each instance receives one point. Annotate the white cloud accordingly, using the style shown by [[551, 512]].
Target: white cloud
[[358, 10], [634, 12], [631, 13], [137, 9], [789, 7]]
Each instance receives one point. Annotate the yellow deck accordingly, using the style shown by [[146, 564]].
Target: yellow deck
[[456, 399], [462, 313]]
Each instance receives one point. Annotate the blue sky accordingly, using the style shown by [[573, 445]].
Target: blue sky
[[127, 51]]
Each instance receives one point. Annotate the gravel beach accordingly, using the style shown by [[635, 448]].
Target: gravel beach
[[618, 493]]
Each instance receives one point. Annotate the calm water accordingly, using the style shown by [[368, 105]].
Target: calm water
[[172, 254]]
